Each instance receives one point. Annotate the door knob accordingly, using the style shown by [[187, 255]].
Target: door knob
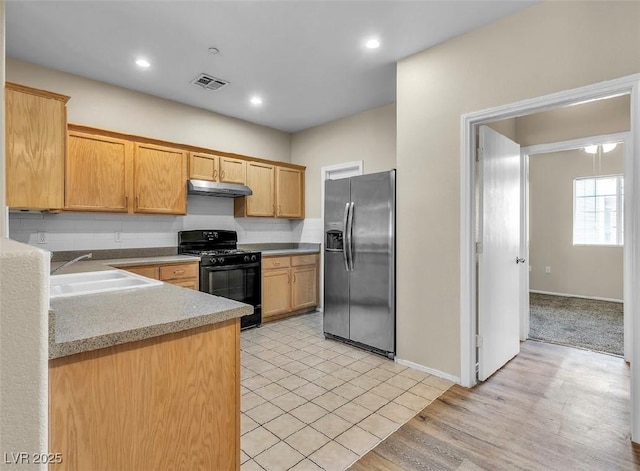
[[520, 260]]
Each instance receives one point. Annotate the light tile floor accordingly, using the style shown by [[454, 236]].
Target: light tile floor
[[314, 404]]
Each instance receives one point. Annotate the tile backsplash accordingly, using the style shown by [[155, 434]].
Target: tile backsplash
[[87, 231]]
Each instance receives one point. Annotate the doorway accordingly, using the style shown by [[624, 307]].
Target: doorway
[[574, 225], [470, 122]]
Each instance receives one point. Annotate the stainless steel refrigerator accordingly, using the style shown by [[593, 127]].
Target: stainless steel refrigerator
[[359, 261]]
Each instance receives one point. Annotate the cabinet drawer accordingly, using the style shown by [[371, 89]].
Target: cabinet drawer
[[192, 283], [179, 271], [275, 262], [149, 272], [308, 259]]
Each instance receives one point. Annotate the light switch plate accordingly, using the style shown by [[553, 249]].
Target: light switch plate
[[42, 237]]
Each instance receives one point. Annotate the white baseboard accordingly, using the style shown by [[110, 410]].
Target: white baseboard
[[595, 298], [424, 369]]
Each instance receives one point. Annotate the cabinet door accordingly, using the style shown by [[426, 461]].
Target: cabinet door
[[203, 166], [232, 170], [160, 179], [36, 128], [260, 178], [97, 173], [304, 291], [276, 292], [289, 192]]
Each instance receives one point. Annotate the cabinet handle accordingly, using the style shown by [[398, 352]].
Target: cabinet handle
[[276, 264], [294, 277], [279, 210], [222, 174], [126, 202], [215, 173], [288, 278], [137, 201], [178, 272], [274, 208]]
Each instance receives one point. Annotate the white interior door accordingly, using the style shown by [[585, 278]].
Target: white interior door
[[498, 257]]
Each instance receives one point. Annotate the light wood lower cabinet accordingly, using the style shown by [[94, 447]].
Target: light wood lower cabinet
[[179, 274], [169, 402], [276, 292], [289, 285]]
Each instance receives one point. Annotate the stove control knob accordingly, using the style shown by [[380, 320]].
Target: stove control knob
[[254, 258], [220, 259], [246, 258], [212, 260]]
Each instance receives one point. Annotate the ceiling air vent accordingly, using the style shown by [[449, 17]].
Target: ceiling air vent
[[208, 82]]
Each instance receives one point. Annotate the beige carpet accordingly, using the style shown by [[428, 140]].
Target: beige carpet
[[577, 322]]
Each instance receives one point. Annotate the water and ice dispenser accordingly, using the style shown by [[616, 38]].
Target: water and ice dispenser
[[334, 242]]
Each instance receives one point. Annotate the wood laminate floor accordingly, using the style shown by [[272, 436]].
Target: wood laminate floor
[[550, 408]]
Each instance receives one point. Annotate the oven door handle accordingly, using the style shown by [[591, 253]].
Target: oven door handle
[[230, 267]]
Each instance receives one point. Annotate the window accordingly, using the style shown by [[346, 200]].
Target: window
[[597, 210]]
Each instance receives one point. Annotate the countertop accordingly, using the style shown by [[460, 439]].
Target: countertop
[[273, 249], [90, 322], [272, 253]]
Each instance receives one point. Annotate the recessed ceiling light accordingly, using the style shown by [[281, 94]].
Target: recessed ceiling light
[[372, 43], [256, 100], [214, 50], [140, 62]]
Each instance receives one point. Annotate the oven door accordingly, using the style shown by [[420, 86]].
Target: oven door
[[238, 282]]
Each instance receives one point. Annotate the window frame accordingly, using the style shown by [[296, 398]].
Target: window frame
[[619, 211]]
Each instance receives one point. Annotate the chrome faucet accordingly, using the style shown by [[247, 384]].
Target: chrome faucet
[[70, 262]]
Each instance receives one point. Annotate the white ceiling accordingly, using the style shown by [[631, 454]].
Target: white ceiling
[[305, 58]]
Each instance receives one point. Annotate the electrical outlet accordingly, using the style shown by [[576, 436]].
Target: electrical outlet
[[117, 236], [42, 237], [547, 269]]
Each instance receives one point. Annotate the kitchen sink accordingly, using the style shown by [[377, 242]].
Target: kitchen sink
[[77, 284]]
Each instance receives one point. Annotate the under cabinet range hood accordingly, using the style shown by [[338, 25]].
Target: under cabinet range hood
[[227, 190]]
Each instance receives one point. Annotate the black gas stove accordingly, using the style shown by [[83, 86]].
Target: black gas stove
[[224, 270]]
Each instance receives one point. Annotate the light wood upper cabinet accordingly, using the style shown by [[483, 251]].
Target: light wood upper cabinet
[[289, 192], [203, 166], [36, 123], [216, 168], [160, 176], [261, 180], [98, 173], [277, 192], [232, 170]]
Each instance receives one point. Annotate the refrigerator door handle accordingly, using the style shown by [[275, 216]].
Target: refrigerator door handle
[[346, 241], [350, 234]]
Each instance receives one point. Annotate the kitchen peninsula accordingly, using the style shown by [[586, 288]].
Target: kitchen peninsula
[[145, 379]]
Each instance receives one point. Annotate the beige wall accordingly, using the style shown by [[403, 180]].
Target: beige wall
[[579, 270], [549, 47], [368, 136], [105, 106], [572, 122]]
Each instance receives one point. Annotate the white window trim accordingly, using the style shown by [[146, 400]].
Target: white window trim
[[619, 212]]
